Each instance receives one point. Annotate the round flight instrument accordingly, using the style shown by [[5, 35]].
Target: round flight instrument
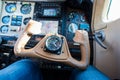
[[10, 7], [25, 8], [26, 20], [4, 29], [72, 27], [53, 43], [6, 19]]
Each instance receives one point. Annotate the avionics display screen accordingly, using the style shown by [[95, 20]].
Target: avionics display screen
[[49, 27], [50, 12]]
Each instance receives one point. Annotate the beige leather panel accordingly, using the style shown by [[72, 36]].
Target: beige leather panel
[[108, 60], [97, 14]]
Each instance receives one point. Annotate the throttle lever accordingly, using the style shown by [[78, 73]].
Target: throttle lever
[[99, 37]]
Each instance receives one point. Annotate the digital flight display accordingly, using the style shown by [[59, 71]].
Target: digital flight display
[[49, 27], [49, 12]]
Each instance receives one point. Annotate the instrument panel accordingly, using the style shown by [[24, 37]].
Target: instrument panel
[[15, 16], [54, 16]]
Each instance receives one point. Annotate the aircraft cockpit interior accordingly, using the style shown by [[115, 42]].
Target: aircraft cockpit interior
[[57, 17], [57, 34]]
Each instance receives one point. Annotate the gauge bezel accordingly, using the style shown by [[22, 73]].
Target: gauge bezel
[[53, 49], [8, 5], [3, 27], [4, 18], [76, 27], [28, 7]]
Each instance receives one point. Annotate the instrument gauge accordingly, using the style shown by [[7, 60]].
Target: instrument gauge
[[6, 19], [72, 27], [10, 7], [83, 18], [4, 29], [53, 43], [26, 20], [25, 8]]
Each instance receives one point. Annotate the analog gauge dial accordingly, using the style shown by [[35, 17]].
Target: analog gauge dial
[[10, 7], [6, 19], [72, 27], [25, 8], [53, 43], [83, 18], [26, 20], [4, 29]]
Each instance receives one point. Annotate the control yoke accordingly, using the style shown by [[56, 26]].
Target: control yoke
[[59, 43]]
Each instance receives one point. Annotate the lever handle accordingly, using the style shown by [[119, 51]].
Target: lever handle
[[99, 38]]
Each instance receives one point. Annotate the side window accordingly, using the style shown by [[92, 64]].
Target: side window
[[113, 12]]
